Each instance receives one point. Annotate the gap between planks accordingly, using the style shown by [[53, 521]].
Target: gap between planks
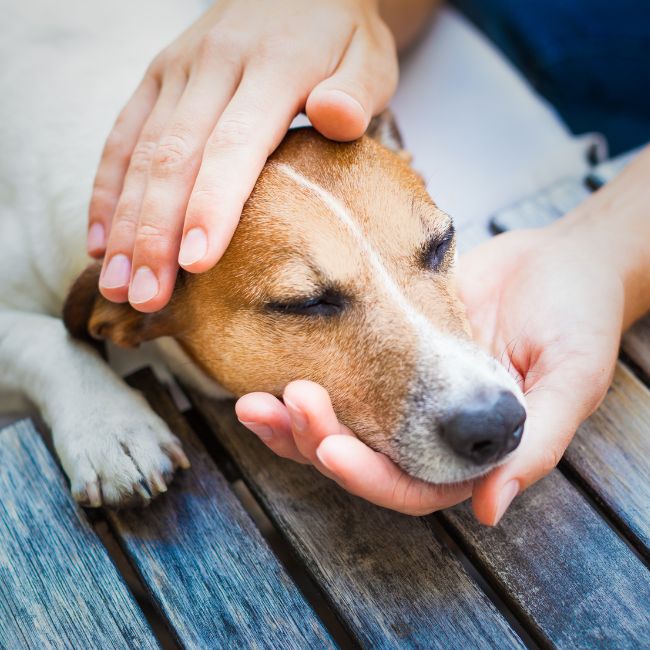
[[101, 527], [283, 549], [274, 540]]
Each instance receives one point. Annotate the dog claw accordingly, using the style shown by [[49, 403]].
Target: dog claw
[[177, 455], [158, 482], [89, 496], [134, 463], [94, 495], [143, 491]]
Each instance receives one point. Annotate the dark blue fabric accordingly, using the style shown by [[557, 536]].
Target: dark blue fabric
[[589, 58]]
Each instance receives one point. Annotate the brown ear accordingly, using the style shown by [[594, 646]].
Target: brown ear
[[383, 129], [88, 315]]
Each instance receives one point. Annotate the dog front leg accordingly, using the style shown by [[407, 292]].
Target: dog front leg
[[115, 450]]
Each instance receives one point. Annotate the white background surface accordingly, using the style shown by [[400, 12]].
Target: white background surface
[[479, 135]]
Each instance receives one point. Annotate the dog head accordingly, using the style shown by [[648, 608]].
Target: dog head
[[341, 272]]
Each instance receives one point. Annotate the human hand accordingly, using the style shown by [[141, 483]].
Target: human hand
[[550, 305], [305, 429], [186, 151]]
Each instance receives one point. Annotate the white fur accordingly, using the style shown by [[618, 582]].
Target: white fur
[[70, 68], [182, 367]]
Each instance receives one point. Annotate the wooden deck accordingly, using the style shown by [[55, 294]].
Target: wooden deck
[[249, 550]]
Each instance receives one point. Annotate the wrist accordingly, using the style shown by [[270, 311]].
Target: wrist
[[612, 229]]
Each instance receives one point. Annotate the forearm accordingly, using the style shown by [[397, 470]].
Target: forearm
[[407, 18], [614, 223]]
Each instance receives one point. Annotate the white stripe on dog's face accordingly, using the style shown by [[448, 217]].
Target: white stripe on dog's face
[[417, 320]]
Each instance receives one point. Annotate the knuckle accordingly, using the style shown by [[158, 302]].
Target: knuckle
[[102, 202], [122, 230], [158, 64], [175, 70], [141, 156], [219, 43], [202, 200], [126, 211], [171, 156], [153, 238], [272, 47], [152, 231], [116, 143], [232, 131]]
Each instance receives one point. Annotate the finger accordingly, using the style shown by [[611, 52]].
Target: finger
[[116, 270], [374, 477], [341, 106], [248, 131], [554, 414], [269, 420], [173, 170], [312, 416], [114, 163]]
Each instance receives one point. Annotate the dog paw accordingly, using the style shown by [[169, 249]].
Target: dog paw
[[123, 461]]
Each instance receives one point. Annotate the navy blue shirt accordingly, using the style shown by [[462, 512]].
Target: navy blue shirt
[[589, 58]]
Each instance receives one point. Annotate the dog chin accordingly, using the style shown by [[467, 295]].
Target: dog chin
[[447, 472]]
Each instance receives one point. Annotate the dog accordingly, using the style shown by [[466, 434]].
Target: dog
[[341, 271]]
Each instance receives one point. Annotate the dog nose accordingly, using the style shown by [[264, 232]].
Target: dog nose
[[486, 429]]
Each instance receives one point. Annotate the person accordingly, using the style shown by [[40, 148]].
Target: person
[[185, 153]]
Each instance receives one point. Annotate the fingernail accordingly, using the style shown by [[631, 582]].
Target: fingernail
[[298, 419], [508, 493], [117, 272], [262, 431], [347, 99], [144, 286], [194, 247], [96, 237], [322, 460]]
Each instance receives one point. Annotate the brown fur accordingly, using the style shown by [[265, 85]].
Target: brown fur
[[287, 244]]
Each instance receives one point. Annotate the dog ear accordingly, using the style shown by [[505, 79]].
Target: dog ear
[[89, 316], [383, 128]]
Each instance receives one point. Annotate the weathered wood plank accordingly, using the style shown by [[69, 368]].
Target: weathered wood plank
[[389, 579], [59, 588], [206, 565], [610, 454], [559, 566]]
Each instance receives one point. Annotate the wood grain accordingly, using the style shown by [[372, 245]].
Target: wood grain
[[560, 567], [59, 588], [610, 454], [206, 565], [388, 578]]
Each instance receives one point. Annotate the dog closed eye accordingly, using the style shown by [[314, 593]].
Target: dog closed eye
[[329, 302], [435, 251]]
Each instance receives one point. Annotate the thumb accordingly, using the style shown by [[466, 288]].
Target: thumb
[[554, 414], [341, 106]]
